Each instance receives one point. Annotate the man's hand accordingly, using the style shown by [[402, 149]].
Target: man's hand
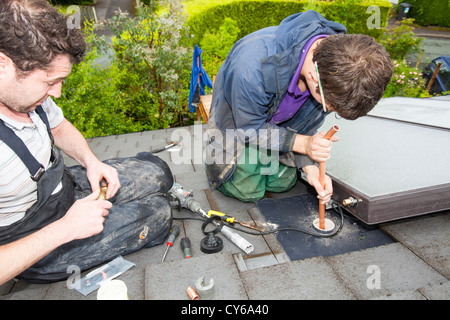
[[312, 176], [85, 218], [70, 140], [316, 147], [98, 171]]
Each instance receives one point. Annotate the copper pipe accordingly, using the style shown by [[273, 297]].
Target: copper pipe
[[327, 136], [103, 190], [192, 293]]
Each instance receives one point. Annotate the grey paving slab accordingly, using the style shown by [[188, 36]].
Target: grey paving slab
[[6, 287], [60, 291], [383, 270], [308, 279], [440, 291], [169, 280], [275, 247], [256, 261], [28, 291], [415, 272], [158, 134], [226, 204], [403, 295], [176, 167], [194, 180], [428, 237], [133, 278], [69, 161], [164, 155], [124, 145], [192, 141], [135, 143]]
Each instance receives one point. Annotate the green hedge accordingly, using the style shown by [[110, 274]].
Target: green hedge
[[425, 12], [254, 15]]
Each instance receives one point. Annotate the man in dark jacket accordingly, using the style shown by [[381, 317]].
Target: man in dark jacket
[[267, 106]]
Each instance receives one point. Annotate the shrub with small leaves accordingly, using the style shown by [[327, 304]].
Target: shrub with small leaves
[[400, 40], [144, 85], [406, 82]]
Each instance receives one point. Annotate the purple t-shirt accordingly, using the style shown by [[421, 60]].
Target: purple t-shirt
[[294, 98]]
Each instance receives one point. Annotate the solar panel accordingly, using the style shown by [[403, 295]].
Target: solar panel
[[394, 163]]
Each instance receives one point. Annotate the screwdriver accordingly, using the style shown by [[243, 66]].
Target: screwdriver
[[186, 247], [173, 234]]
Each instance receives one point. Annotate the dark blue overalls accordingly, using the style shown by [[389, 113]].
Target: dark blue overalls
[[140, 216]]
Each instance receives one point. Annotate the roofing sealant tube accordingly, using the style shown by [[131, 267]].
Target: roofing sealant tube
[[327, 136], [246, 246]]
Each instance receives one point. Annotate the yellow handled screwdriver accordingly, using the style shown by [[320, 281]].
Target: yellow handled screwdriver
[[231, 219]]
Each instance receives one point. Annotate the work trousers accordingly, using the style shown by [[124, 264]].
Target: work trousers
[[257, 172], [140, 217]]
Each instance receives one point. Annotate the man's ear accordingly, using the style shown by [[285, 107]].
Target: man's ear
[[5, 63], [312, 76]]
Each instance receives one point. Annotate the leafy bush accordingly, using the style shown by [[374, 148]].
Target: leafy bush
[[145, 85], [354, 15], [400, 40], [91, 100], [258, 14], [427, 12], [406, 82], [216, 45]]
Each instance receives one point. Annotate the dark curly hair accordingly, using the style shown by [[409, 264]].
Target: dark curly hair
[[33, 33], [354, 71]]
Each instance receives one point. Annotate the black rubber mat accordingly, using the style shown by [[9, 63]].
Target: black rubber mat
[[299, 212]]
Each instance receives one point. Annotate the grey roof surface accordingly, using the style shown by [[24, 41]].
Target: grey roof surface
[[415, 266]]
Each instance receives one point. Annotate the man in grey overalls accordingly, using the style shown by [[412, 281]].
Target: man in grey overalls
[[50, 215]]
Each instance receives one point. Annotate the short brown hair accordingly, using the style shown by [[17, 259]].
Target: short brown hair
[[33, 33], [354, 71]]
